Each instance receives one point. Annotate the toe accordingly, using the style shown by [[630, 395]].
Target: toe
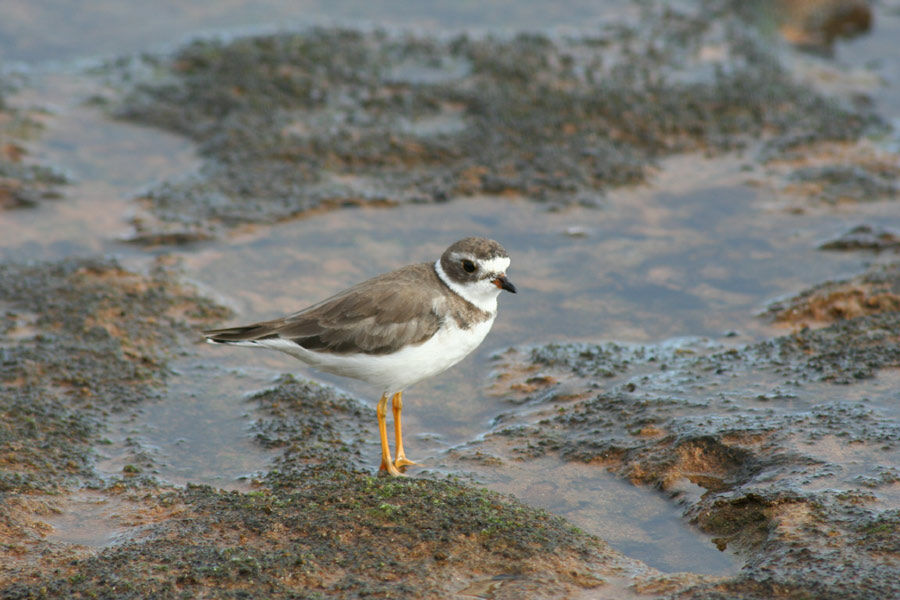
[[405, 462], [391, 469]]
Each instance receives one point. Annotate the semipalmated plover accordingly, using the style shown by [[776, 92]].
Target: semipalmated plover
[[395, 329]]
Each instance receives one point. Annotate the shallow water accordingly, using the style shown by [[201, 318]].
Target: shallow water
[[696, 252], [50, 30], [88, 519], [198, 433], [633, 520], [108, 163]]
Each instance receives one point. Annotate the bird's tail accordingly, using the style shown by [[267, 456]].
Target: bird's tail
[[236, 335]]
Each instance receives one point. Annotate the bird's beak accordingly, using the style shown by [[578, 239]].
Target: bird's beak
[[503, 283]]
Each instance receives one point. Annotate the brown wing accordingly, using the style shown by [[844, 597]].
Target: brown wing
[[377, 316]]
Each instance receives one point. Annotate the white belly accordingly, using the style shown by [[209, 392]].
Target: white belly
[[395, 372]]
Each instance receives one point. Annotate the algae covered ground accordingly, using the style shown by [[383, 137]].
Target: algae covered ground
[[96, 339], [299, 122], [755, 442]]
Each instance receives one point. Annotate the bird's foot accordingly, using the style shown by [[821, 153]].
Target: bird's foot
[[390, 468], [402, 462]]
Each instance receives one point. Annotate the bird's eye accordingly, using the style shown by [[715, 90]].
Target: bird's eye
[[468, 265]]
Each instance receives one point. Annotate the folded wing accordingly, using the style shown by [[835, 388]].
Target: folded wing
[[374, 317]]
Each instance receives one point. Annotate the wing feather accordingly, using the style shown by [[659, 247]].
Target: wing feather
[[378, 316]]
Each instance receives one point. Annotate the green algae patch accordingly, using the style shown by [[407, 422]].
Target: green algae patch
[[326, 532], [298, 122], [311, 423], [80, 340]]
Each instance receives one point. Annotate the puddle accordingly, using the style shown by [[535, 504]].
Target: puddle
[[108, 163], [198, 433], [89, 519], [46, 30], [636, 521]]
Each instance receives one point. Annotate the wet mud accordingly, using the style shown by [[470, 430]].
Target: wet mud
[[865, 237], [802, 488], [875, 291], [82, 338], [816, 25], [292, 124], [799, 478], [329, 531], [23, 184]]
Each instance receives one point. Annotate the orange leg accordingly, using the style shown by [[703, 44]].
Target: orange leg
[[386, 464], [397, 404]]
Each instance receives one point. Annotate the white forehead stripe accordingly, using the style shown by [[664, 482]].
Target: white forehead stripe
[[498, 264]]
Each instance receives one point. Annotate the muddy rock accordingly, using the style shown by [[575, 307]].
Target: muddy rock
[[816, 24], [22, 183], [865, 237], [825, 174], [312, 424], [24, 186], [875, 291], [294, 123], [768, 447], [847, 183]]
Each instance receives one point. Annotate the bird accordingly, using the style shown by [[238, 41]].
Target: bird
[[395, 329]]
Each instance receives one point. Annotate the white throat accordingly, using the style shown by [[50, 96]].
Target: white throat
[[483, 294]]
